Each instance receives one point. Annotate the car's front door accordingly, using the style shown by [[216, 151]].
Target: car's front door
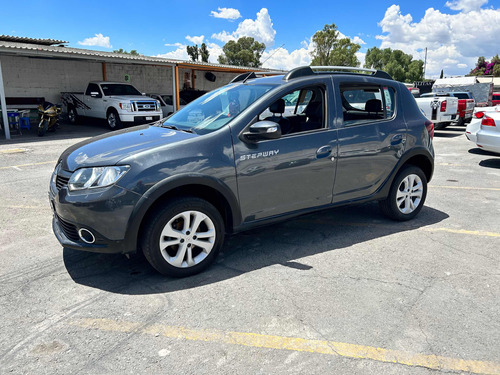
[[294, 172], [94, 101]]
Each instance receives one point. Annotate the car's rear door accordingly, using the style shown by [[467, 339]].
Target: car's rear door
[[371, 139]]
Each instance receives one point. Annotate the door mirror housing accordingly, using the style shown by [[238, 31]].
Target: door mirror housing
[[261, 130], [95, 94]]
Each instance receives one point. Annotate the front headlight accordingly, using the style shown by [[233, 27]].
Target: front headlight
[[126, 106], [90, 178]]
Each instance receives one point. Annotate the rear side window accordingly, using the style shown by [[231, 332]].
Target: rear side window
[[367, 103]]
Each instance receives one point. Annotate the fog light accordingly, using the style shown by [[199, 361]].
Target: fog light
[[86, 236]]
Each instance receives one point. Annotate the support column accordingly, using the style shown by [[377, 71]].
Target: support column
[[104, 73], [176, 92], [174, 97], [4, 106], [192, 78]]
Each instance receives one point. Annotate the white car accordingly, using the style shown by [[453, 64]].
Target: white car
[[166, 103], [484, 129]]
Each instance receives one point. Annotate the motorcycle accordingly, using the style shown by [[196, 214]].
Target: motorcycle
[[49, 117]]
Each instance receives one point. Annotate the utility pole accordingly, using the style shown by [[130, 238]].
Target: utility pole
[[425, 61]]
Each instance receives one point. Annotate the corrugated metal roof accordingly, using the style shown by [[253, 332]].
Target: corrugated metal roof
[[31, 49], [19, 39]]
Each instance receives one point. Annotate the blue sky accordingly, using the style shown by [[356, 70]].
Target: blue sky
[[455, 32]]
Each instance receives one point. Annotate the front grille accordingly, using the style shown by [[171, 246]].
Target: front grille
[[145, 106], [69, 229], [61, 182]]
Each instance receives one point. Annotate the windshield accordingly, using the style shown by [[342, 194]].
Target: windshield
[[215, 109], [119, 89]]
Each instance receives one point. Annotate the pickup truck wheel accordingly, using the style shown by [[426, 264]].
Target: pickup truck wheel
[[72, 115], [407, 195], [184, 237], [114, 122], [441, 125]]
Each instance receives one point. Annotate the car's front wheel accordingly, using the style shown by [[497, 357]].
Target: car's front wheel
[[407, 194], [113, 119], [184, 237]]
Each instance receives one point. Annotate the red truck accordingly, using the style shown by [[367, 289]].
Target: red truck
[[466, 104]]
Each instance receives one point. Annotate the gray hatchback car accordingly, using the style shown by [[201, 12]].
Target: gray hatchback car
[[253, 152]]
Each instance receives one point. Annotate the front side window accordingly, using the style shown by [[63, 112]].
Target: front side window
[[298, 111], [215, 109], [367, 103]]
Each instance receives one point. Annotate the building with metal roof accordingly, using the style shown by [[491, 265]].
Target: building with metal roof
[[43, 68]]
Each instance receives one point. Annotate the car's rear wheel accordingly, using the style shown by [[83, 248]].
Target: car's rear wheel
[[184, 237], [407, 194], [72, 115]]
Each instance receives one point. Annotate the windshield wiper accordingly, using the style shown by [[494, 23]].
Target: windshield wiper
[[175, 128]]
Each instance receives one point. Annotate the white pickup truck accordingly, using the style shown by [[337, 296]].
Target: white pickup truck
[[441, 110], [116, 102]]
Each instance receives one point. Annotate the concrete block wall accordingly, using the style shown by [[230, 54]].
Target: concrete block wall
[[146, 78], [201, 83], [42, 77]]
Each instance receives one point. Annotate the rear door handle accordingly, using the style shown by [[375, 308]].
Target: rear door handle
[[323, 151]]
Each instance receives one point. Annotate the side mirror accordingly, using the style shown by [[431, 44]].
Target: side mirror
[[95, 94], [260, 131]]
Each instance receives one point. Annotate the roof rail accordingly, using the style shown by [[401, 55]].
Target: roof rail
[[310, 70], [251, 75]]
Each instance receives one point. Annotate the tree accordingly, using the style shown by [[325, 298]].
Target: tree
[[246, 51], [398, 64], [204, 52], [329, 50], [484, 67], [132, 52], [193, 52], [442, 74]]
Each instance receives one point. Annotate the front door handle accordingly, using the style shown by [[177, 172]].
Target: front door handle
[[323, 151]]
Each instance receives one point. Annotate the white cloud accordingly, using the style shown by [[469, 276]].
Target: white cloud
[[174, 44], [98, 40], [196, 39], [224, 36], [453, 41], [261, 29], [281, 58], [226, 13], [358, 40], [466, 5]]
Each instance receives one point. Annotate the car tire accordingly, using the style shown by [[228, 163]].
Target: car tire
[[460, 121], [183, 237], [113, 119], [407, 194], [72, 115]]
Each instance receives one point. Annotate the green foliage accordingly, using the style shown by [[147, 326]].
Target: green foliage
[[398, 64], [329, 50], [132, 52], [484, 67], [204, 52], [246, 51], [193, 52]]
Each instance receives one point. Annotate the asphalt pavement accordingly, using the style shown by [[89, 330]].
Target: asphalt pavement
[[343, 291]]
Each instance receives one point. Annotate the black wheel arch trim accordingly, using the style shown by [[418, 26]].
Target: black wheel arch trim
[[159, 190]]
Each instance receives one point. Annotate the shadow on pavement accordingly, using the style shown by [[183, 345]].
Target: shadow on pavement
[[490, 163], [449, 132], [480, 151], [282, 244]]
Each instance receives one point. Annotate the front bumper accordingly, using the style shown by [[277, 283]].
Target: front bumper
[[104, 212], [140, 118]]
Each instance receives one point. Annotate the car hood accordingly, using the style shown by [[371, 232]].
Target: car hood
[[131, 97], [110, 148]]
